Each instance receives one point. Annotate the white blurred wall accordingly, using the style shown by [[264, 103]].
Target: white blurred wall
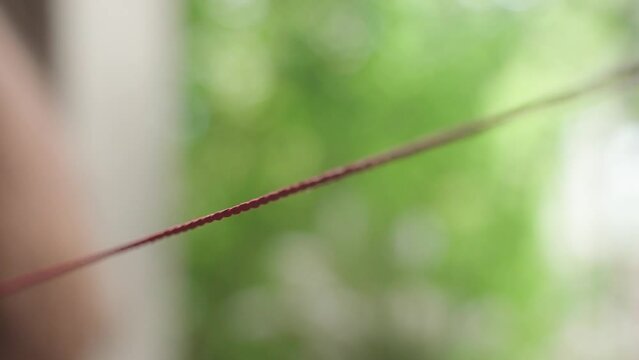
[[117, 65], [592, 228]]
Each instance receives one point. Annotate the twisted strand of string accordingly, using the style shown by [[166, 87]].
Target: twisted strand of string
[[451, 135]]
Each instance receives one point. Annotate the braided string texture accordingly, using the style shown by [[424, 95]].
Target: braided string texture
[[459, 132]]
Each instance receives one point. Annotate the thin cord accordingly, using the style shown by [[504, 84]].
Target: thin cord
[[456, 133]]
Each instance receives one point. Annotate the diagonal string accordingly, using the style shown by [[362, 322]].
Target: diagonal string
[[447, 136]]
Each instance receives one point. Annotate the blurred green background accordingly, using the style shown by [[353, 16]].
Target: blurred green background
[[435, 257]]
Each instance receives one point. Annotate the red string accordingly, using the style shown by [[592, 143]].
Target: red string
[[459, 132]]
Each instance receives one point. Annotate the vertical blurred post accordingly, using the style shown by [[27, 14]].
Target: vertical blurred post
[[117, 67]]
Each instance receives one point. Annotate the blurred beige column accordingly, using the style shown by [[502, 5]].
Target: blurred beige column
[[117, 66]]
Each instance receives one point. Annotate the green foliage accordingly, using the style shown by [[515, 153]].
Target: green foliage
[[433, 257]]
